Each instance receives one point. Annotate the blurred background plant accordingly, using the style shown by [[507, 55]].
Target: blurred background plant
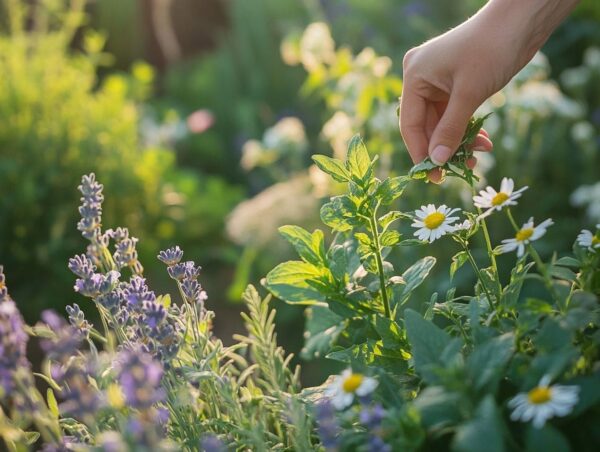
[[234, 99]]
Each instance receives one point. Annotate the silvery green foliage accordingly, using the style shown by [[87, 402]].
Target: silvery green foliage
[[153, 377]]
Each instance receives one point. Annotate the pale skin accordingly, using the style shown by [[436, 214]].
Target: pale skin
[[447, 78]]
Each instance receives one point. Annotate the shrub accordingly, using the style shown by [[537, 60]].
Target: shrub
[[495, 369]]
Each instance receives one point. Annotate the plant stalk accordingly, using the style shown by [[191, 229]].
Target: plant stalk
[[379, 260]]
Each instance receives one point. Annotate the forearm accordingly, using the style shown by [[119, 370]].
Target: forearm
[[532, 20]]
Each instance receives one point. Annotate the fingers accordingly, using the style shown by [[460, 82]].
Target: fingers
[[413, 115], [482, 142], [449, 132]]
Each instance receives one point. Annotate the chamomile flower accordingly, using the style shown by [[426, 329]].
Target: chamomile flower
[[586, 239], [433, 223], [544, 402], [527, 234], [492, 200], [345, 386], [464, 226]]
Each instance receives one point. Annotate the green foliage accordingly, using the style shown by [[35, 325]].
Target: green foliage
[[460, 363], [58, 121]]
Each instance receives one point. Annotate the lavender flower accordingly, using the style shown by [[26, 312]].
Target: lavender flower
[[376, 444], [66, 340], [140, 377], [371, 417], [126, 254], [136, 293], [91, 207], [77, 319], [3, 289], [112, 300], [154, 314], [180, 271], [327, 425], [13, 344], [171, 256], [82, 266], [97, 284], [80, 399], [118, 234], [210, 443]]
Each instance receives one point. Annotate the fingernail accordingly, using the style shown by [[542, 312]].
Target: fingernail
[[440, 154], [480, 149]]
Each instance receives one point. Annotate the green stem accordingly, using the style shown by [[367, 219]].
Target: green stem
[[490, 250], [477, 270], [375, 234], [537, 259]]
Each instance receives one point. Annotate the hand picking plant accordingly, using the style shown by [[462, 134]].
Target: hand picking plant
[[511, 366]]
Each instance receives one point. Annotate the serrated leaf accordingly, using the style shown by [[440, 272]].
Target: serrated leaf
[[485, 364], [340, 214], [363, 238], [458, 261], [334, 167], [420, 170], [391, 188], [322, 330], [389, 218], [547, 438], [308, 246], [427, 343], [389, 238], [567, 261], [358, 160], [290, 281], [412, 242], [563, 273], [413, 277], [483, 432]]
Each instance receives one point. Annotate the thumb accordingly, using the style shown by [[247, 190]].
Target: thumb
[[449, 132]]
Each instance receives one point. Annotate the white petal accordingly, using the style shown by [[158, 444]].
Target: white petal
[[367, 386]]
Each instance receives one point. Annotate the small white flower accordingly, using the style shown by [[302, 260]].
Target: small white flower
[[433, 223], [528, 233], [492, 200], [586, 239], [544, 402], [345, 386], [464, 226]]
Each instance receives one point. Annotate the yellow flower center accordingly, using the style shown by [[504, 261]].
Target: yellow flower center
[[499, 199], [540, 395], [434, 220], [595, 241], [352, 383], [524, 234]]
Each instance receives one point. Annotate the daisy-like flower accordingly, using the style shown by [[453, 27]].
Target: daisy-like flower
[[528, 233], [345, 386], [433, 223], [586, 239], [492, 200], [464, 226], [544, 402]]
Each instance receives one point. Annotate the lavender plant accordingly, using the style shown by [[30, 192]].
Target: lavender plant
[[153, 376]]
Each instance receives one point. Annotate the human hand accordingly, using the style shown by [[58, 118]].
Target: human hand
[[448, 78]]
